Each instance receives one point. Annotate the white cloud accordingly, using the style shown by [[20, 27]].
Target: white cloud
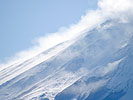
[[107, 9], [115, 5]]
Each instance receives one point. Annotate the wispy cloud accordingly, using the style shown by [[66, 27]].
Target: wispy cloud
[[107, 9]]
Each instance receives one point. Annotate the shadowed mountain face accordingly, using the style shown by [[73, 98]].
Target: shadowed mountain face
[[117, 84], [97, 65]]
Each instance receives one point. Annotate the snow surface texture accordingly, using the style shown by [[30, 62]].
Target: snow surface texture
[[93, 61]]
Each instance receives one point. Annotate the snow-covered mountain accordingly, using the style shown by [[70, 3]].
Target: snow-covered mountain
[[95, 65]]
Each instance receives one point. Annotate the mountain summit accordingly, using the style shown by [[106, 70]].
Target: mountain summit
[[96, 64]]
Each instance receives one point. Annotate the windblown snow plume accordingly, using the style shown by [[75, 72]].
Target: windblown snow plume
[[91, 60]]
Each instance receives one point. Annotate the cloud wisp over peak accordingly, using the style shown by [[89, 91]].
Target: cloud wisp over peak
[[107, 9]]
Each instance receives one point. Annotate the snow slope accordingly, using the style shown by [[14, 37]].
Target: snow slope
[[96, 64]]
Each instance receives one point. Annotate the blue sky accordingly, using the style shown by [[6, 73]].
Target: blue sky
[[21, 21]]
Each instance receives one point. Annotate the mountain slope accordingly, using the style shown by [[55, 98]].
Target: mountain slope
[[93, 62], [90, 67]]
